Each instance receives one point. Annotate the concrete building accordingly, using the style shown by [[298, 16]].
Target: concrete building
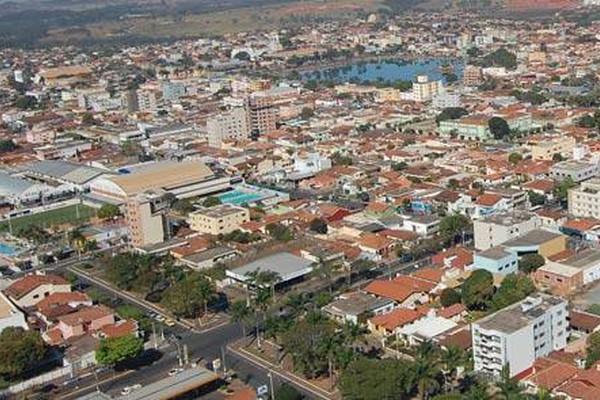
[[472, 76], [497, 260], [584, 201], [519, 334], [424, 90], [538, 241], [29, 290], [446, 100], [470, 127], [10, 316], [182, 179], [233, 124], [578, 171], [287, 266], [494, 230], [146, 218], [547, 147], [220, 219], [566, 276]]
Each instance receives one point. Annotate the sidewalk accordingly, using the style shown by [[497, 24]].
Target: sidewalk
[[310, 387]]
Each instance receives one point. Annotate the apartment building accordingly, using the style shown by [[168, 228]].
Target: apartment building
[[545, 148], [233, 124], [220, 219], [425, 90], [576, 170], [584, 201], [264, 108], [472, 76], [470, 127], [519, 334], [146, 218], [494, 230]]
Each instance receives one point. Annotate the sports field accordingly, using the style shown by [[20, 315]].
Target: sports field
[[74, 214]]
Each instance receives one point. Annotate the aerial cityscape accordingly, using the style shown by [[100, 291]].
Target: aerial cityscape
[[300, 199]]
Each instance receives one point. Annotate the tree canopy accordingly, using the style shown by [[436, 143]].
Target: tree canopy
[[451, 113], [319, 225], [531, 262], [453, 225], [190, 296], [449, 297], [498, 127], [20, 350], [108, 211], [477, 289], [113, 351]]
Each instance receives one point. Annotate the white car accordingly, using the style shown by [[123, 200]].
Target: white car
[[175, 371], [128, 389]]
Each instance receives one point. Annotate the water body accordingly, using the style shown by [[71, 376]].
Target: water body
[[386, 70]]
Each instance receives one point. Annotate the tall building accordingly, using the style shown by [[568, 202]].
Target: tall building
[[233, 124], [146, 100], [263, 115], [518, 335], [146, 218], [172, 90], [472, 76], [494, 230], [425, 90], [584, 201]]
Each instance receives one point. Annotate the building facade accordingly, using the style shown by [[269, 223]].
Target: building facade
[[220, 219], [584, 201], [519, 334]]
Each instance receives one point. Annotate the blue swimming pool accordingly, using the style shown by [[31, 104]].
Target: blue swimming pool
[[7, 250], [238, 197]]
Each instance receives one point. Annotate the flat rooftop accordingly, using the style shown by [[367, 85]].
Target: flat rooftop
[[495, 253], [509, 219], [218, 210], [583, 259], [356, 303], [287, 265], [172, 386], [532, 238], [519, 315]]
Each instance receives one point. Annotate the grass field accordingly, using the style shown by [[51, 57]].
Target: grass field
[[60, 216]]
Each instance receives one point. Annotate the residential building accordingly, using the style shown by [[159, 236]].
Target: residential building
[[497, 260], [472, 76], [546, 148], [496, 229], [230, 125], [220, 219], [584, 201], [29, 290], [519, 334], [576, 170], [172, 90], [424, 90], [355, 307]]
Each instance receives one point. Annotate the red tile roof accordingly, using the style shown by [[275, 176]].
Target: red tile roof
[[121, 328], [488, 199], [28, 283], [397, 318], [549, 373], [582, 320]]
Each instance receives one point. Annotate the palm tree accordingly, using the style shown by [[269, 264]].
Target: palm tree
[[426, 376], [240, 313], [508, 388], [451, 358], [207, 292]]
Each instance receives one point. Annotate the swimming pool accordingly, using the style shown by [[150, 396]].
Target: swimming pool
[[238, 197], [7, 250]]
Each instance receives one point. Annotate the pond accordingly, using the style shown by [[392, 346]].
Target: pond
[[387, 70]]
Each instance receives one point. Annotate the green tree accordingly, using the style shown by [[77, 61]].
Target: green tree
[[498, 127], [7, 145], [477, 289], [562, 189], [593, 349], [454, 225], [190, 296], [113, 351], [307, 113], [20, 351], [514, 158], [449, 297], [500, 58], [240, 312], [108, 211], [338, 159], [211, 201], [531, 262], [280, 232], [451, 113], [319, 225], [536, 199], [509, 388], [26, 102], [370, 379], [514, 288]]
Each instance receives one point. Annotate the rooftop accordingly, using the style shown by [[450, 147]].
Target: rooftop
[[533, 238], [287, 265]]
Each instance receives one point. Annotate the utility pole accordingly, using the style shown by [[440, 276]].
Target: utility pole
[[186, 357], [154, 335], [223, 359], [270, 374]]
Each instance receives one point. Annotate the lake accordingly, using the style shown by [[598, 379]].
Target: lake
[[384, 70]]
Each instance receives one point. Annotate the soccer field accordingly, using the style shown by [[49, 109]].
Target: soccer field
[[73, 214]]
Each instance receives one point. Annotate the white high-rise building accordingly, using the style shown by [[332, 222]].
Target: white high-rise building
[[519, 334], [425, 90], [584, 201], [233, 124]]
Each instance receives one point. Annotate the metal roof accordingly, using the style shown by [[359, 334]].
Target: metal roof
[[65, 171]]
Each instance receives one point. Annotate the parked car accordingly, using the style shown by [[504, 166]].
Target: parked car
[[169, 322], [175, 371], [127, 390]]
